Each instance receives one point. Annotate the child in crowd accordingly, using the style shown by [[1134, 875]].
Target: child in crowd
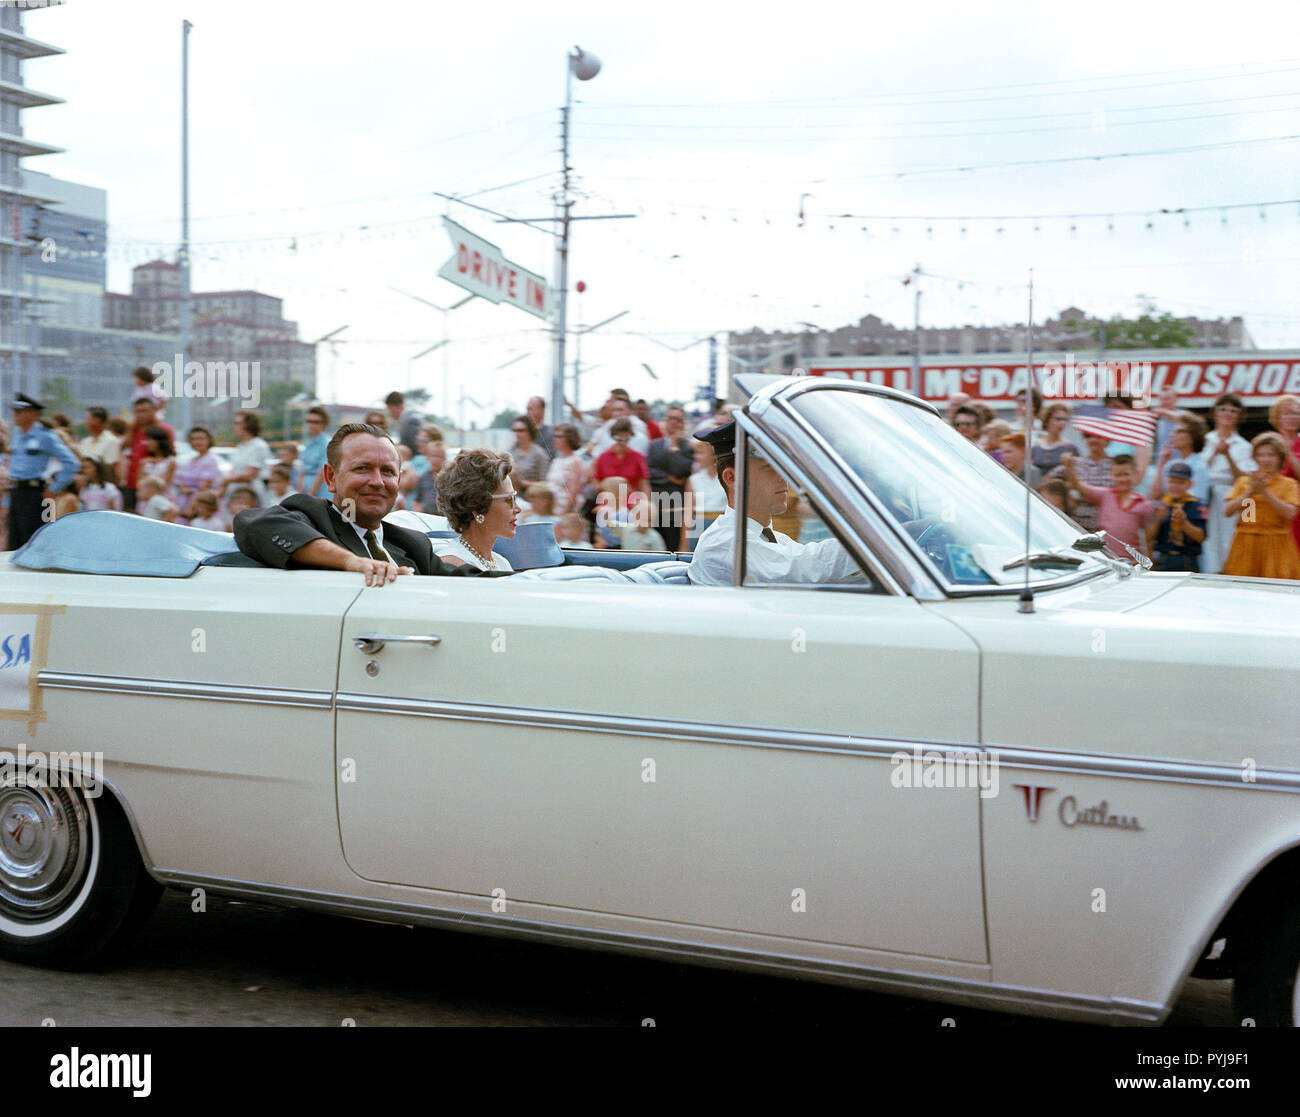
[[118, 427], [145, 388], [278, 487], [571, 532], [541, 503], [243, 497], [150, 501], [205, 512], [407, 482], [637, 534], [286, 454], [1057, 492], [1121, 511], [95, 488], [1177, 527]]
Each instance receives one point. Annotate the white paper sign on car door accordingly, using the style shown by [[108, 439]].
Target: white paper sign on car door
[[24, 645]]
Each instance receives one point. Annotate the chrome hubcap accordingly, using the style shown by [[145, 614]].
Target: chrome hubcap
[[44, 850]]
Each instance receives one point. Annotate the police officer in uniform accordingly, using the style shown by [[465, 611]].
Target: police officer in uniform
[[770, 555], [29, 460]]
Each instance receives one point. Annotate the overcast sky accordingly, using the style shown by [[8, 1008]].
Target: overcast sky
[[712, 123]]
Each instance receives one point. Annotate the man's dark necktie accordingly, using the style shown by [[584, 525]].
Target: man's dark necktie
[[376, 551], [768, 535]]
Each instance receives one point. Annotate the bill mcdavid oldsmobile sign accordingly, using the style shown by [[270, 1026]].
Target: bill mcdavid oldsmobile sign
[[479, 267]]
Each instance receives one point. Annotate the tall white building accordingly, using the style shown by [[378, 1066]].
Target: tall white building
[[17, 200]]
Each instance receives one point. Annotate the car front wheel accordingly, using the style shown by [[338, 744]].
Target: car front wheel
[[72, 885], [1267, 988]]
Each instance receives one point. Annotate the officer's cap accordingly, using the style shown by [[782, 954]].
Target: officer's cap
[[722, 439]]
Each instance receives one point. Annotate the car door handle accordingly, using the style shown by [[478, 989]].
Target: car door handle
[[374, 643]]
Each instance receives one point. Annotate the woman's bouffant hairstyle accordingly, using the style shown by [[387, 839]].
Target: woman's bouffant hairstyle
[[1195, 427], [1273, 439], [569, 433], [1045, 415], [1275, 412], [164, 439], [466, 483]]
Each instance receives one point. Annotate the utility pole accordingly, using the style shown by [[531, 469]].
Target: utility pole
[[185, 406], [916, 331]]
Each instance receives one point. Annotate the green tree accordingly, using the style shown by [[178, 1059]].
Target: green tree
[[503, 418], [59, 396], [1149, 330], [272, 409]]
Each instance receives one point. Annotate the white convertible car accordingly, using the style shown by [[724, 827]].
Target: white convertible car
[[913, 781]]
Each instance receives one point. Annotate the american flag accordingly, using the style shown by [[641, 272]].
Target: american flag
[[1119, 424]]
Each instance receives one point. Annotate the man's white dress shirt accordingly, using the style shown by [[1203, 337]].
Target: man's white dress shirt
[[822, 563]]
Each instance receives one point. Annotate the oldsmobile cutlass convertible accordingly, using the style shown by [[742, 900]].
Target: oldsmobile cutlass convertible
[[913, 781]]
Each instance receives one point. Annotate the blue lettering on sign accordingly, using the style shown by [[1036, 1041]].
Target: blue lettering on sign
[[23, 655]]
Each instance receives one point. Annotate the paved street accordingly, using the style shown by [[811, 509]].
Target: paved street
[[248, 965]]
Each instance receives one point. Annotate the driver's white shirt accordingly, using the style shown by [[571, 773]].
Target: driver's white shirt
[[823, 562]]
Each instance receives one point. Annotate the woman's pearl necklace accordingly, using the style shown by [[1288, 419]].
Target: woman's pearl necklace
[[490, 564]]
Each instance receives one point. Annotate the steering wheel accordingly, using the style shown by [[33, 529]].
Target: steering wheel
[[932, 539]]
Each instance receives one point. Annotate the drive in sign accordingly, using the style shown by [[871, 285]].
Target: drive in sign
[[478, 266]]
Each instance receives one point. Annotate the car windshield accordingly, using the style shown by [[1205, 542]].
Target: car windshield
[[965, 511]]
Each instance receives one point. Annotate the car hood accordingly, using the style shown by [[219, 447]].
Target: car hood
[[1200, 668], [1212, 602]]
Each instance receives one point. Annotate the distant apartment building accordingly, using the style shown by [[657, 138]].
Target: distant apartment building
[[17, 200], [228, 326], [1072, 329]]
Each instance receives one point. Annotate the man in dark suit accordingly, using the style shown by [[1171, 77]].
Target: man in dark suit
[[347, 532]]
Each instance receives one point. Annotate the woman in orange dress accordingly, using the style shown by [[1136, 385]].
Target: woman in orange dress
[[1266, 503]]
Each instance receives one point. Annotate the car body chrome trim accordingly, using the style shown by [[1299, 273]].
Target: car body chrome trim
[[1145, 768], [950, 990], [570, 720], [1099, 764], [165, 688], [1102, 764]]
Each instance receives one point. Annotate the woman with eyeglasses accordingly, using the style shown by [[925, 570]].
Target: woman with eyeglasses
[[1185, 444], [1226, 457], [476, 495], [1050, 448]]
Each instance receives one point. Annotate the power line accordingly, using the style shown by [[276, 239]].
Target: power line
[[1152, 211], [876, 98], [767, 127], [767, 139], [1063, 159]]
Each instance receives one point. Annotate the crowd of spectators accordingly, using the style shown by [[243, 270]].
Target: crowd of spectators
[[1193, 499]]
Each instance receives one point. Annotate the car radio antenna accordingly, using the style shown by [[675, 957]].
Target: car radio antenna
[[1027, 595]]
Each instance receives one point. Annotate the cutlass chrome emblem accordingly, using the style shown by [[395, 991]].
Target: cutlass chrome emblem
[[1098, 815]]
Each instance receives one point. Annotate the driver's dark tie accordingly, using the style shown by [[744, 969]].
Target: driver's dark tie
[[376, 551], [768, 534]]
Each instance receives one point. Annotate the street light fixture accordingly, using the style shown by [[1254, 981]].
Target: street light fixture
[[444, 311], [422, 353], [333, 354], [584, 66]]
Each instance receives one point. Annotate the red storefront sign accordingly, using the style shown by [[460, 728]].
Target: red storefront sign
[[1255, 380]]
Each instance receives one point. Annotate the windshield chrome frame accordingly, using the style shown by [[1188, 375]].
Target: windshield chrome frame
[[750, 440], [779, 396]]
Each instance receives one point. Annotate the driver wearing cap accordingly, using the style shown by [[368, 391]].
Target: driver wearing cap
[[769, 555]]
